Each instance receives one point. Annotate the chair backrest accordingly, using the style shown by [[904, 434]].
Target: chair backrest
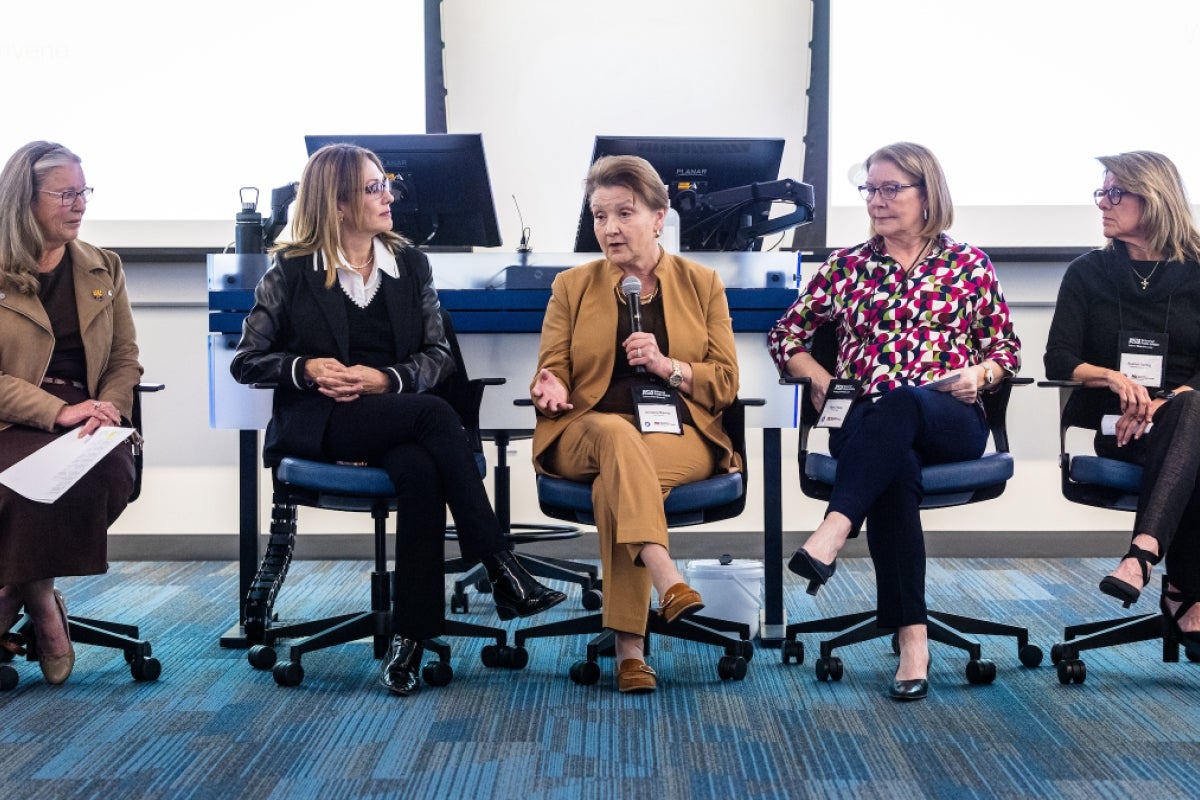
[[944, 485], [1090, 479], [719, 497]]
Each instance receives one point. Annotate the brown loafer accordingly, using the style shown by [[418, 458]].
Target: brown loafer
[[636, 677], [680, 600], [56, 669]]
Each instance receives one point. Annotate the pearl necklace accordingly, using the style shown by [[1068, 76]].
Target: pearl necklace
[[367, 266]]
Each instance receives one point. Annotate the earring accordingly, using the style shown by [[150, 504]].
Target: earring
[[926, 213], [657, 232]]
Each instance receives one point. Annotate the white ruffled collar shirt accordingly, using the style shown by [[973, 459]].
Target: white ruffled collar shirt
[[361, 292]]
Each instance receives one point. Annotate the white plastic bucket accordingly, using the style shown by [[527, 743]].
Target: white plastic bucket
[[731, 591]]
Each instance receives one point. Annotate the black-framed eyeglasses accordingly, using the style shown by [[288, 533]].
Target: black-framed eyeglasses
[[69, 197], [375, 187], [888, 190], [1114, 195]]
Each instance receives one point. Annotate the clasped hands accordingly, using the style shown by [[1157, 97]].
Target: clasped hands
[[1137, 407], [341, 383], [91, 413]]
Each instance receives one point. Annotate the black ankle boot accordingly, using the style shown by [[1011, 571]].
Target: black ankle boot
[[402, 667], [516, 592]]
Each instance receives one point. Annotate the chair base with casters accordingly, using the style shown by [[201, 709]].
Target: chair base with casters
[[943, 486], [586, 575], [709, 500], [99, 633], [1109, 633], [343, 488]]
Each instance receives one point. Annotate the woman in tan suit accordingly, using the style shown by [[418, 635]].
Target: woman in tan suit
[[635, 411], [68, 361]]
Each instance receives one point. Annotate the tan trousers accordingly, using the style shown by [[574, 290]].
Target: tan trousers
[[631, 475]]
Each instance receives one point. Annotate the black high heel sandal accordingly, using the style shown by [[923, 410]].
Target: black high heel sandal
[[1126, 592], [1189, 639]]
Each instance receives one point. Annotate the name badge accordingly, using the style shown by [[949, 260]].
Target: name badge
[[1143, 356], [840, 395], [657, 409]]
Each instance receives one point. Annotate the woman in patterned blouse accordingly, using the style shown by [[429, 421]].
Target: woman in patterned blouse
[[910, 306]]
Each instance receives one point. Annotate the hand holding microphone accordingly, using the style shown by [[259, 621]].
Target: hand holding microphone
[[631, 287]]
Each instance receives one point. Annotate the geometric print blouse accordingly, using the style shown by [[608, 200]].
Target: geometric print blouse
[[902, 330]]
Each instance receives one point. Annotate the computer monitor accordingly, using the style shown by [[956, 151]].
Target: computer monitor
[[443, 197], [692, 167]]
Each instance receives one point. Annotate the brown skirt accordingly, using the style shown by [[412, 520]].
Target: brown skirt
[[70, 535]]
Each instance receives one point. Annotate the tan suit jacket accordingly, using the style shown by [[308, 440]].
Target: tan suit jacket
[[109, 343], [580, 330]]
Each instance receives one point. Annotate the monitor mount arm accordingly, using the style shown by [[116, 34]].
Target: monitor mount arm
[[699, 207]]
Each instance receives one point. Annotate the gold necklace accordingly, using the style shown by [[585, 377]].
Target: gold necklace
[[1145, 279]]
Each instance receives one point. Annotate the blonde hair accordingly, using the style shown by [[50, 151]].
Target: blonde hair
[[333, 174], [1166, 216], [22, 241], [628, 172], [919, 162]]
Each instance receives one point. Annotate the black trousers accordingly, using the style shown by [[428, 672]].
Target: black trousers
[[419, 440], [880, 449], [1169, 502]]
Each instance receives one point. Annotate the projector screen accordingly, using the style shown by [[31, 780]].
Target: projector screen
[[1016, 99], [174, 107]]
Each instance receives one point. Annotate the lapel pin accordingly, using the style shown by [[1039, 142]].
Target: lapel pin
[[97, 294]]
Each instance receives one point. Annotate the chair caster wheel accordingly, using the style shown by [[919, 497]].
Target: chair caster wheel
[[1191, 656], [1056, 653], [745, 650], [791, 651], [1071, 670], [288, 673], [145, 669], [261, 656], [483, 586], [585, 673], [829, 669], [437, 673], [459, 603], [592, 600], [981, 671], [490, 655], [731, 668], [515, 658], [8, 678], [1030, 655]]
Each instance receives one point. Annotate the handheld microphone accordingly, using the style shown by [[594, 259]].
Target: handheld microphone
[[631, 287]]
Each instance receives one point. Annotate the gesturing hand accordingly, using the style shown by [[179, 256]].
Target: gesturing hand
[[548, 393]]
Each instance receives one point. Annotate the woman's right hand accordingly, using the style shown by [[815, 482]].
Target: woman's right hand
[[92, 413], [1135, 399], [549, 395]]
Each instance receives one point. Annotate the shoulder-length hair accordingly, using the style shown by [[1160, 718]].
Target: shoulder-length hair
[[1166, 216], [920, 162], [22, 241], [334, 174], [628, 172]]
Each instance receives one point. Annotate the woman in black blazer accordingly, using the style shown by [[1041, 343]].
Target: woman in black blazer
[[347, 325]]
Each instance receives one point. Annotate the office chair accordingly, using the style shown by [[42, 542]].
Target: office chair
[[100, 633], [945, 485], [301, 482], [710, 500], [1104, 483]]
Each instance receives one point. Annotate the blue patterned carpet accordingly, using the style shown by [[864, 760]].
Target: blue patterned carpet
[[212, 727]]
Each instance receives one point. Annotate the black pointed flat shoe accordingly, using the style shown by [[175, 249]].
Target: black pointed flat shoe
[[817, 572], [914, 689]]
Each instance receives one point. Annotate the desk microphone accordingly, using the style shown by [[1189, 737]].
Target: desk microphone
[[631, 287]]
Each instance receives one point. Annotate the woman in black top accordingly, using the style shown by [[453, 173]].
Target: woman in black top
[[1127, 325], [347, 325]]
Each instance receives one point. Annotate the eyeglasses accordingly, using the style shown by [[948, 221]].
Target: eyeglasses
[[68, 197], [1114, 195], [375, 187], [888, 190]]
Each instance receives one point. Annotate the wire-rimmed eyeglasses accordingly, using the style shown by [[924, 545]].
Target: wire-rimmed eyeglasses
[[1114, 195], [375, 187], [888, 190], [68, 197]]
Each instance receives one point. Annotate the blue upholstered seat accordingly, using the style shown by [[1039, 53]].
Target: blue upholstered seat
[[685, 504], [945, 484], [1107, 472]]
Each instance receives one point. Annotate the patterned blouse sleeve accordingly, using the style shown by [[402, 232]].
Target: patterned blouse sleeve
[[994, 335], [795, 329]]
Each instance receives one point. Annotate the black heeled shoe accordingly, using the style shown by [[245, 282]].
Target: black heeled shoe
[[1189, 639], [1126, 592], [806, 566], [402, 667], [516, 592], [914, 689]]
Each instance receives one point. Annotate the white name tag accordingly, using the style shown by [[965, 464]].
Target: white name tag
[[838, 398], [657, 409], [1142, 357]]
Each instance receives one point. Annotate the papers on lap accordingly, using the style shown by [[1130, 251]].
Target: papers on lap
[[44, 475]]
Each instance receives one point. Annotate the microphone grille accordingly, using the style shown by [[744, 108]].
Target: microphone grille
[[631, 285]]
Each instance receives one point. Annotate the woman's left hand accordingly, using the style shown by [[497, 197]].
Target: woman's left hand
[[92, 413], [966, 388], [641, 349], [1133, 424]]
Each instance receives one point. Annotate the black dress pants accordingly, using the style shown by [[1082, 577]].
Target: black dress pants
[[880, 449], [419, 440]]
